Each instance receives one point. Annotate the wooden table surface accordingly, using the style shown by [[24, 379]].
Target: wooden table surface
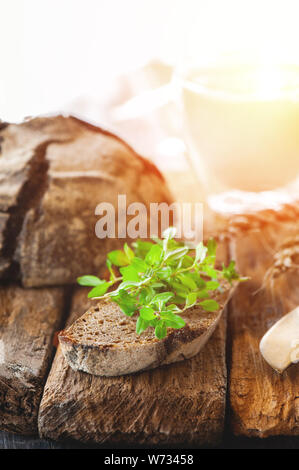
[[248, 423], [16, 441]]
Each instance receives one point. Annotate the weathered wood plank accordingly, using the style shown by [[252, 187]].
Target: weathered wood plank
[[19, 441], [183, 402], [263, 402], [28, 320]]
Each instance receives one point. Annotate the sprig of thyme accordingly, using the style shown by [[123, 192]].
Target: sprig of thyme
[[161, 279]]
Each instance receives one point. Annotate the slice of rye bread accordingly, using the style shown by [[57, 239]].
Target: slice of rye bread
[[103, 341]]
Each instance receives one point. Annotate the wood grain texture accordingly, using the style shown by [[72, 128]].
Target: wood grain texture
[[263, 402], [183, 402], [17, 441], [28, 321]]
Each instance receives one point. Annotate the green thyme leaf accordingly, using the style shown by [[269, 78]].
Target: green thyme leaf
[[177, 254], [200, 253], [99, 290], [164, 273], [118, 258], [199, 281], [173, 308], [112, 273], [153, 257], [129, 273], [187, 261], [147, 313], [89, 280], [203, 294], [212, 285], [211, 272], [212, 245], [161, 330], [187, 281], [191, 299], [173, 321], [139, 264], [128, 284], [154, 322], [210, 305], [161, 299], [179, 300], [146, 295], [230, 272], [126, 302], [141, 248], [141, 325], [129, 253]]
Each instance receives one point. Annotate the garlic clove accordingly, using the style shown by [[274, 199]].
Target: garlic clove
[[280, 345]]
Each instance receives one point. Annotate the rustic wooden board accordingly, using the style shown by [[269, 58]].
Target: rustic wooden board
[[180, 403], [263, 403], [28, 321], [17, 441]]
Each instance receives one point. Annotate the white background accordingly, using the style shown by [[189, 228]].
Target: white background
[[53, 51]]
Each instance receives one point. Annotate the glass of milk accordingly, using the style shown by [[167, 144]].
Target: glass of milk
[[238, 77], [242, 133]]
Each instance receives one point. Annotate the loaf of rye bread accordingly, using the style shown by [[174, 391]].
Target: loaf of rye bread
[[54, 171]]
